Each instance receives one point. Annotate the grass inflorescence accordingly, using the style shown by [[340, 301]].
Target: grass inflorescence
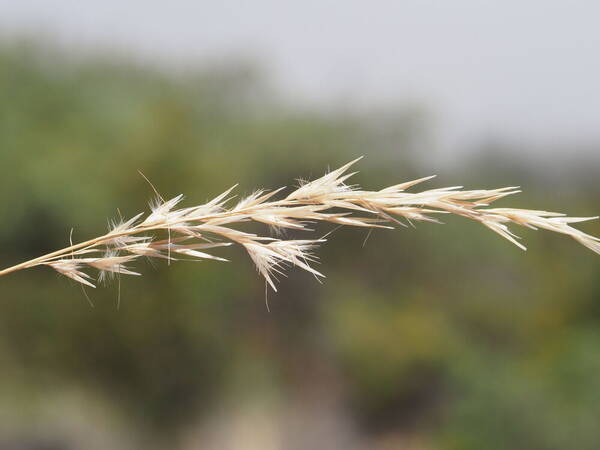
[[191, 231]]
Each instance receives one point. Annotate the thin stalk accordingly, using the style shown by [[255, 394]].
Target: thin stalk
[[48, 256]]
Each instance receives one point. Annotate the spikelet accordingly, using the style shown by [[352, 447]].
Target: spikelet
[[71, 268]]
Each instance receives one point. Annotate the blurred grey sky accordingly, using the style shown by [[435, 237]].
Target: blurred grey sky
[[523, 70]]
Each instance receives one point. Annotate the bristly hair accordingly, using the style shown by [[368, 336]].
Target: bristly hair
[[192, 230]]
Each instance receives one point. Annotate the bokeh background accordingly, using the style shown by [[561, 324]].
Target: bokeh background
[[439, 337]]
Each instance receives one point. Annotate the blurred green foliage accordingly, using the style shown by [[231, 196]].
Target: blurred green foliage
[[443, 332]]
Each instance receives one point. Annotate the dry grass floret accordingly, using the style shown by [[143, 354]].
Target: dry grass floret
[[327, 199]]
